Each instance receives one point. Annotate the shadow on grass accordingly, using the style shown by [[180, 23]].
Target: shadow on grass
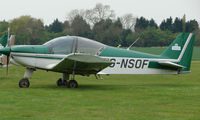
[[168, 85], [110, 87], [83, 87]]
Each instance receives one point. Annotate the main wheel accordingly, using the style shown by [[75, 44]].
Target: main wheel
[[65, 82], [59, 82], [24, 83], [72, 84]]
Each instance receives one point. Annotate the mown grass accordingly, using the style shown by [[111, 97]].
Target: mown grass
[[117, 97]]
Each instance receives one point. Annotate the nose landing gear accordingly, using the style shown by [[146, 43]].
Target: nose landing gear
[[24, 82]]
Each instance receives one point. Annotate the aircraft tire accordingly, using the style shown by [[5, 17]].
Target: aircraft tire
[[24, 83], [72, 84], [59, 82], [65, 82]]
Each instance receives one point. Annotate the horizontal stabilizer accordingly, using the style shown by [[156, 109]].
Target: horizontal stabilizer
[[171, 64]]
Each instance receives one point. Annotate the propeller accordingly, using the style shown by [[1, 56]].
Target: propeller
[[7, 62], [7, 49], [8, 58]]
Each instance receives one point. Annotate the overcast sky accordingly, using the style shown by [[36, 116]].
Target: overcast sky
[[48, 10]]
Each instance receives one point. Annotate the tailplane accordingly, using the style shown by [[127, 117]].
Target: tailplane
[[180, 51]]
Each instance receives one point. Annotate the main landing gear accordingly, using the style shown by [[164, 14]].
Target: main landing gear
[[64, 81]]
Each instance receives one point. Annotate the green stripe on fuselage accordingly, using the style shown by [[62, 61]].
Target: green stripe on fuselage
[[58, 58], [118, 52], [40, 49]]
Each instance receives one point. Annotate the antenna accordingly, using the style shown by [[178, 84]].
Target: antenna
[[133, 43], [119, 46]]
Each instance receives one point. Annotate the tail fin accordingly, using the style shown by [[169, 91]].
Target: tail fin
[[181, 51]]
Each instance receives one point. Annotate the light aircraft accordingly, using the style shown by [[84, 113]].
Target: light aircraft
[[73, 55]]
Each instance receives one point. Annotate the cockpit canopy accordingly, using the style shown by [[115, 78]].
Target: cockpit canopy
[[74, 44]]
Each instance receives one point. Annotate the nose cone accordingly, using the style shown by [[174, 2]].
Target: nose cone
[[5, 51]]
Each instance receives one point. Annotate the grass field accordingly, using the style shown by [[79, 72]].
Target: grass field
[[117, 97]]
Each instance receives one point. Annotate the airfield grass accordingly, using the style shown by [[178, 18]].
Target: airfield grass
[[117, 97]]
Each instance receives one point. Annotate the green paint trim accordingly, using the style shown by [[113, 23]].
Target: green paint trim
[[58, 58], [118, 52], [41, 49]]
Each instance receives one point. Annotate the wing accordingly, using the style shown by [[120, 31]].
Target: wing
[[82, 64]]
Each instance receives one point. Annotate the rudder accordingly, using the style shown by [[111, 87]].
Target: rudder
[[180, 51]]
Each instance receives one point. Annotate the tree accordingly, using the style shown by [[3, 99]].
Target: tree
[[102, 12], [55, 27], [66, 27], [163, 25], [128, 21], [27, 30], [74, 13], [177, 25], [141, 24], [167, 24], [197, 38], [192, 26], [108, 32], [79, 27], [99, 29], [151, 37], [152, 23], [3, 27], [94, 15]]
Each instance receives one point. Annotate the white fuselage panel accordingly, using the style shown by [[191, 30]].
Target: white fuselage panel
[[123, 65]]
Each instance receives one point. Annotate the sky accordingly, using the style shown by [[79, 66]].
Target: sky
[[49, 10]]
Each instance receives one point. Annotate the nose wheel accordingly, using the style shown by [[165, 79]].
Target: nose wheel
[[24, 83]]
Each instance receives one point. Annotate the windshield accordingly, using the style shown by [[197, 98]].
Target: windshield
[[61, 45], [71, 44]]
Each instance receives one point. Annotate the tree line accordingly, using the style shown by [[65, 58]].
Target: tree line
[[101, 24]]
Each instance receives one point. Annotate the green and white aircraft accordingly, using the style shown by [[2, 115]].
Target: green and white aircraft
[[73, 55]]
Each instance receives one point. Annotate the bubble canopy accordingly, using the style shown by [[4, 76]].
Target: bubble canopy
[[73, 44]]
